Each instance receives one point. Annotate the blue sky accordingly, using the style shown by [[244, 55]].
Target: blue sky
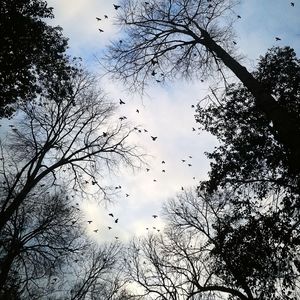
[[165, 111]]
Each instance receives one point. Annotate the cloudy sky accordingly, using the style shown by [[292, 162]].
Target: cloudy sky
[[165, 111]]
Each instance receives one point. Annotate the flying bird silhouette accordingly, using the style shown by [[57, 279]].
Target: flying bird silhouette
[[121, 102], [109, 228], [277, 38], [147, 170], [111, 215], [105, 16], [154, 216], [96, 230], [153, 137], [292, 4], [116, 7], [189, 165], [100, 30], [116, 220], [127, 195], [137, 111], [89, 222], [98, 19], [239, 17]]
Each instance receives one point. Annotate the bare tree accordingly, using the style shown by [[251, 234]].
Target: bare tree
[[42, 235], [97, 275], [187, 38], [73, 139], [206, 254]]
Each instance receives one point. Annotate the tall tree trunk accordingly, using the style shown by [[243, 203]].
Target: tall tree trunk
[[7, 261], [285, 123]]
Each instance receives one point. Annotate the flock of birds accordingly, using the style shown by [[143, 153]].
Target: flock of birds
[[186, 161], [153, 137], [116, 221]]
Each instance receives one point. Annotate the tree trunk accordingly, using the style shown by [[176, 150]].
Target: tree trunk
[[285, 123]]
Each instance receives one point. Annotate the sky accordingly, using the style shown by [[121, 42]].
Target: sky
[[164, 111]]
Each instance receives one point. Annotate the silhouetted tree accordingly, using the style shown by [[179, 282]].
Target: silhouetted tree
[[33, 60], [43, 234], [249, 154], [73, 138], [209, 251], [191, 38]]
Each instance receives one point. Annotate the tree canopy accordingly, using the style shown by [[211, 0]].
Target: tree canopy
[[33, 58]]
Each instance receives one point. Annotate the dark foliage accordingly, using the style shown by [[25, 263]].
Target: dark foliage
[[249, 152], [32, 54]]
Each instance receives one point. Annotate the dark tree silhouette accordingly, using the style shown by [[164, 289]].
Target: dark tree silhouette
[[211, 250], [33, 58], [43, 234], [187, 38], [63, 139], [249, 153], [98, 275]]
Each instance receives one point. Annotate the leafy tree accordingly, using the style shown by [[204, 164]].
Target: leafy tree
[[249, 153], [180, 38], [211, 250], [33, 58]]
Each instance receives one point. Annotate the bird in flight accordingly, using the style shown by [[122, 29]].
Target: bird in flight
[[109, 228], [116, 220], [147, 170], [96, 230], [164, 171], [190, 156], [154, 216], [239, 17], [183, 160], [193, 129], [277, 38], [121, 102], [111, 215], [116, 7], [189, 165], [163, 162], [100, 30], [154, 138], [292, 4], [127, 195], [98, 19], [154, 180], [116, 237], [106, 16], [89, 222]]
